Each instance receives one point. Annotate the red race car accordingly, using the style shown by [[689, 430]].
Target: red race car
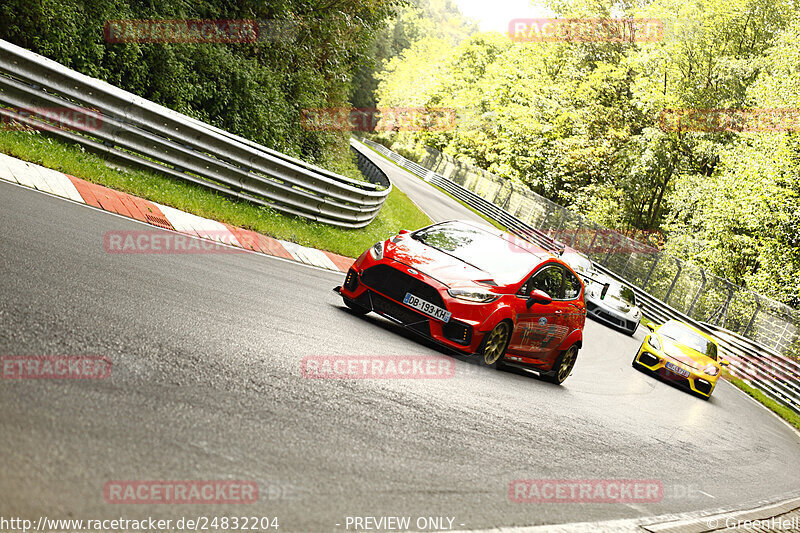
[[477, 290]]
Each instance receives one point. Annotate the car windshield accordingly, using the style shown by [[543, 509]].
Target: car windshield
[[504, 260], [621, 292], [683, 335]]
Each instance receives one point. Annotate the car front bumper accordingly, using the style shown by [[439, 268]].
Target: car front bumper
[[611, 317], [462, 332], [655, 362]]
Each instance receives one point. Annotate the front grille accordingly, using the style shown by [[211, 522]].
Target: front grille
[[457, 332], [631, 324], [351, 281], [667, 374], [591, 306], [609, 318], [402, 314], [702, 385], [396, 284]]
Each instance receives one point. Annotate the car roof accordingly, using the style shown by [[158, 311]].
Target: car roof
[[523, 244], [573, 251]]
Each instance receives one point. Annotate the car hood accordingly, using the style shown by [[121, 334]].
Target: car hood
[[438, 265], [612, 303], [684, 354]]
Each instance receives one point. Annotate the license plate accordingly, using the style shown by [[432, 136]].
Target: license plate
[[678, 370], [426, 307]]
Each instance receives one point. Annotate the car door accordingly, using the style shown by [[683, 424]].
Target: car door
[[541, 328], [575, 307]]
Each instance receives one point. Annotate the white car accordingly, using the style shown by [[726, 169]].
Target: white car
[[580, 263], [617, 307]]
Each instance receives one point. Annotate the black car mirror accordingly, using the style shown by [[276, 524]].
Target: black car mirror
[[604, 291]]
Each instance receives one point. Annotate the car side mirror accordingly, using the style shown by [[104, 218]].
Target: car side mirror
[[538, 297], [650, 326], [403, 232], [604, 291], [724, 362]]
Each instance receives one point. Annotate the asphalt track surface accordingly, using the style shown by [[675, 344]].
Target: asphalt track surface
[[206, 384]]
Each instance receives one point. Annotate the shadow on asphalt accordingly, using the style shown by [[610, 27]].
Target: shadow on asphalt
[[393, 327]]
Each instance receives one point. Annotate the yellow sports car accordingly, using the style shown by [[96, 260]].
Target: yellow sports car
[[683, 355]]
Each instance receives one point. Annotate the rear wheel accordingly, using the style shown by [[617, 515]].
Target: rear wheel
[[494, 345], [564, 365]]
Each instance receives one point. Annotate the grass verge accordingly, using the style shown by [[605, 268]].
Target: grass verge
[[776, 407], [397, 213]]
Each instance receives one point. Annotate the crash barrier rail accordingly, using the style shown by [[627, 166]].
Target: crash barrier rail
[[762, 367], [141, 133]]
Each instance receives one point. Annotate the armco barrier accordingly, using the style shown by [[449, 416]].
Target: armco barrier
[[764, 369], [142, 133]]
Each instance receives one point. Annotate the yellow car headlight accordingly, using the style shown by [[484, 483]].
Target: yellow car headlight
[[711, 370], [654, 342]]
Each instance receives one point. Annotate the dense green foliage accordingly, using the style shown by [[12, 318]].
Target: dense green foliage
[[417, 21], [578, 122], [305, 57]]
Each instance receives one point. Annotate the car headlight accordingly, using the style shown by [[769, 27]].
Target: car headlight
[[711, 370], [654, 342], [473, 295], [377, 251]]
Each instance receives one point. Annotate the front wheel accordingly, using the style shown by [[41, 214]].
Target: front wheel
[[494, 345], [564, 365]]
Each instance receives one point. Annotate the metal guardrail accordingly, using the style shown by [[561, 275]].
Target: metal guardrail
[[764, 369], [142, 133]]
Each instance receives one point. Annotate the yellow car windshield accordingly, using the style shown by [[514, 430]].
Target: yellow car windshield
[[685, 336]]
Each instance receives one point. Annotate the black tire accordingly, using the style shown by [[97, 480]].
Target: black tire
[[355, 308], [494, 345], [563, 366]]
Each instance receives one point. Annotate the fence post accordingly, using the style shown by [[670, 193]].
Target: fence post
[[753, 318], [674, 281], [697, 294], [722, 311], [610, 249], [575, 235], [627, 261], [650, 272], [547, 212]]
